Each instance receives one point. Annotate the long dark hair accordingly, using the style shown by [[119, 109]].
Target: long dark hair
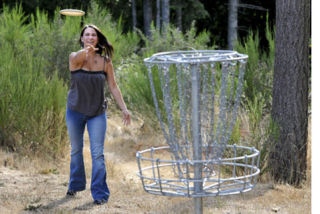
[[104, 46]]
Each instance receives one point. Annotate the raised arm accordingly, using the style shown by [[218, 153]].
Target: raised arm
[[76, 59]]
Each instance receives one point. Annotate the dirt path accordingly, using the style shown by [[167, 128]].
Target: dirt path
[[36, 187]]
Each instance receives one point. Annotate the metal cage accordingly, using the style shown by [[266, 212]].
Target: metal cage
[[196, 96]]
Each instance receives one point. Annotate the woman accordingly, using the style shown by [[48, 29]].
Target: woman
[[90, 68]]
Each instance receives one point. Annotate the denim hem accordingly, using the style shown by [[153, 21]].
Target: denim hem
[[103, 198], [77, 189]]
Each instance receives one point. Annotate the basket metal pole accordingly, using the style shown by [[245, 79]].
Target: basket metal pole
[[196, 139]]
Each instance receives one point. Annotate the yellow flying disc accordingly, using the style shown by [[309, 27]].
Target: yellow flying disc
[[72, 12]]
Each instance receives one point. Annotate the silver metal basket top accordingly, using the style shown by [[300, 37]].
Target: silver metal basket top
[[199, 56]]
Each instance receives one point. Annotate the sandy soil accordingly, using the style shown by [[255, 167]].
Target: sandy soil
[[34, 186]]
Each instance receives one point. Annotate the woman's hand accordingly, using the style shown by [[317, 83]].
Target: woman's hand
[[76, 59], [126, 118], [90, 49]]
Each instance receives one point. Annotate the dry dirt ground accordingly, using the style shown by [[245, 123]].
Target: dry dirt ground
[[35, 186]]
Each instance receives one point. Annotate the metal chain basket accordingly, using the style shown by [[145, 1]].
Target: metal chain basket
[[196, 96]]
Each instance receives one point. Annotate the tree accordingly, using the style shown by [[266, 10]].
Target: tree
[[158, 21], [232, 23], [193, 11], [165, 13], [123, 10], [178, 5], [290, 91], [134, 15], [147, 16]]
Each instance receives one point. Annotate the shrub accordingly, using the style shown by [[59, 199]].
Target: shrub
[[32, 104], [256, 103]]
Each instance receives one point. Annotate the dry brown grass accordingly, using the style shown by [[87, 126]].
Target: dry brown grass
[[34, 186]]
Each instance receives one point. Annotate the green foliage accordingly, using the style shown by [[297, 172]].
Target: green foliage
[[259, 73], [258, 91], [32, 104], [192, 10], [132, 73], [52, 41], [173, 39], [12, 28]]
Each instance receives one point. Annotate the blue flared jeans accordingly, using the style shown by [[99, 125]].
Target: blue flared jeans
[[96, 126]]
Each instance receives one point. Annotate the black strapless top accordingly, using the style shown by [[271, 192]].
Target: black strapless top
[[86, 94]]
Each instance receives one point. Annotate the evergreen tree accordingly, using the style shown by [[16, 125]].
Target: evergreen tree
[[290, 91], [147, 16]]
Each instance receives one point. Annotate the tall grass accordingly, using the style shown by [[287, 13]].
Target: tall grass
[[259, 73], [52, 41], [32, 104], [257, 100]]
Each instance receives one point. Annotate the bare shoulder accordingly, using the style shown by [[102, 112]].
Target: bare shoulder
[[74, 61], [107, 64]]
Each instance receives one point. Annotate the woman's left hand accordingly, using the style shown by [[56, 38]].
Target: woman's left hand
[[126, 117]]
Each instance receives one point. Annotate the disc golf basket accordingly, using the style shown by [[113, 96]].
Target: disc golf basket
[[196, 96]]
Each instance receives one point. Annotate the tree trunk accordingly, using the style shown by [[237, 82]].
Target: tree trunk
[[158, 20], [290, 91], [134, 15], [165, 14], [147, 16], [232, 23], [179, 14]]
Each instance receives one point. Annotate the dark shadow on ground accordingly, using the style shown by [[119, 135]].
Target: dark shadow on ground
[[86, 206], [50, 206], [58, 202]]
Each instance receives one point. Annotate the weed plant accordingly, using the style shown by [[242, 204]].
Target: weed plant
[[32, 102], [257, 100]]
